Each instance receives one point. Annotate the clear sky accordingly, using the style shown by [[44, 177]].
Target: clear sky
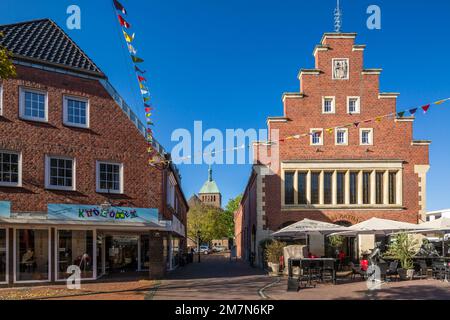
[[228, 62]]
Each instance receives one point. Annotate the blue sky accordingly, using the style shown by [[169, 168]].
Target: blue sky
[[228, 62]]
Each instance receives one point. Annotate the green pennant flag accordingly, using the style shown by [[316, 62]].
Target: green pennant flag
[[401, 114], [136, 59]]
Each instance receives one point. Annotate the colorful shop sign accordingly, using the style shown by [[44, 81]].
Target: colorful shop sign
[[96, 213], [5, 209]]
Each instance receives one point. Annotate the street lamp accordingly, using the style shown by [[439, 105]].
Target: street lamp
[[198, 245]]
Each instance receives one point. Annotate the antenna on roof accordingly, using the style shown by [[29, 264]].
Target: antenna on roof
[[337, 18]]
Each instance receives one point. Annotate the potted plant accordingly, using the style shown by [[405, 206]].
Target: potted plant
[[403, 248], [274, 251], [336, 243]]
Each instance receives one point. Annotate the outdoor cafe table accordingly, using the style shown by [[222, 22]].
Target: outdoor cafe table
[[293, 282]]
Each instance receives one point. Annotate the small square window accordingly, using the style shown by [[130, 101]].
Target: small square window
[[328, 105], [10, 169], [33, 105], [76, 112], [341, 137], [366, 137], [316, 137], [60, 173], [353, 105], [109, 177]]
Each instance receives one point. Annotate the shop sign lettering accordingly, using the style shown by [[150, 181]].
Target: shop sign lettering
[[107, 214]]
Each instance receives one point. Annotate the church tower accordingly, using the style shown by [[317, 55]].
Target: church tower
[[210, 193]]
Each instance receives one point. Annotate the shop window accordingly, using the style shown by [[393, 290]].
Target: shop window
[[10, 169], [3, 255], [60, 173], [33, 105], [76, 112], [75, 247], [109, 177], [32, 255]]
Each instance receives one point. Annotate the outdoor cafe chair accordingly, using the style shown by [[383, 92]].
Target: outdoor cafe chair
[[357, 271], [439, 269], [392, 270], [329, 270]]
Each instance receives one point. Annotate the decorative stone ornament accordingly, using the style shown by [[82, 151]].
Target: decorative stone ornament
[[340, 69]]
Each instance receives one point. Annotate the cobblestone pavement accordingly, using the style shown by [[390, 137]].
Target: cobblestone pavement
[[402, 290], [215, 278], [124, 290]]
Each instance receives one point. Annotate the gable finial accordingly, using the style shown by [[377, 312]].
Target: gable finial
[[337, 18]]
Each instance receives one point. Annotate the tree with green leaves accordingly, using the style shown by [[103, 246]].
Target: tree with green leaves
[[207, 220], [7, 69], [228, 219]]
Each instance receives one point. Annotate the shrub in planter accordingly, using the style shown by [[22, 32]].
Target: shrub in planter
[[274, 251], [403, 248]]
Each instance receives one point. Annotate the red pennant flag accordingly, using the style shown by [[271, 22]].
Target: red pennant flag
[[120, 7], [425, 108], [123, 23], [141, 79], [356, 124], [148, 110]]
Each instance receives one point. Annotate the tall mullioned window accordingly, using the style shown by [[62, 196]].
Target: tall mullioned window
[[328, 188], [354, 187], [392, 187], [315, 187], [341, 187], [289, 188], [366, 187], [302, 198], [379, 187]]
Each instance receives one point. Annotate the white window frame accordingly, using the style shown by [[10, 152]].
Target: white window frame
[[171, 191], [348, 71], [19, 182], [7, 255], [321, 137], [345, 143], [47, 174], [97, 177], [15, 255], [94, 249], [370, 137], [22, 115], [333, 104], [358, 105], [66, 111]]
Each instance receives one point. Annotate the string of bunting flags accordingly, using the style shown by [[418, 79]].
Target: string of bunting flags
[[140, 75], [355, 124]]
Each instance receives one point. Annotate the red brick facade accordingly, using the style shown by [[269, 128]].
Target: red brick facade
[[144, 186], [392, 140]]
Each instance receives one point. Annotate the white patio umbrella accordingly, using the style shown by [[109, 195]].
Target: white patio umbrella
[[306, 227], [377, 226]]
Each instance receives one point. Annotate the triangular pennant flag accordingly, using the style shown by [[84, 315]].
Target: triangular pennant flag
[[137, 59], [297, 136], [136, 68], [413, 111], [123, 22], [141, 79], [425, 108], [378, 119], [330, 131], [141, 85], [368, 121], [132, 50], [441, 101], [148, 106], [120, 7], [146, 99], [318, 133], [391, 115], [148, 110], [401, 114], [149, 150], [144, 91], [128, 38], [356, 124]]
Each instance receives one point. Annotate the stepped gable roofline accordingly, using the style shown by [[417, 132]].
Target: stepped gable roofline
[[337, 35], [43, 42]]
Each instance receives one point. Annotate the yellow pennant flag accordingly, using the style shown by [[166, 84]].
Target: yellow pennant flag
[[441, 101], [128, 38], [330, 130], [378, 119]]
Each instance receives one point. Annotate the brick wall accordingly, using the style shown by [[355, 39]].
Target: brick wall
[[111, 136]]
